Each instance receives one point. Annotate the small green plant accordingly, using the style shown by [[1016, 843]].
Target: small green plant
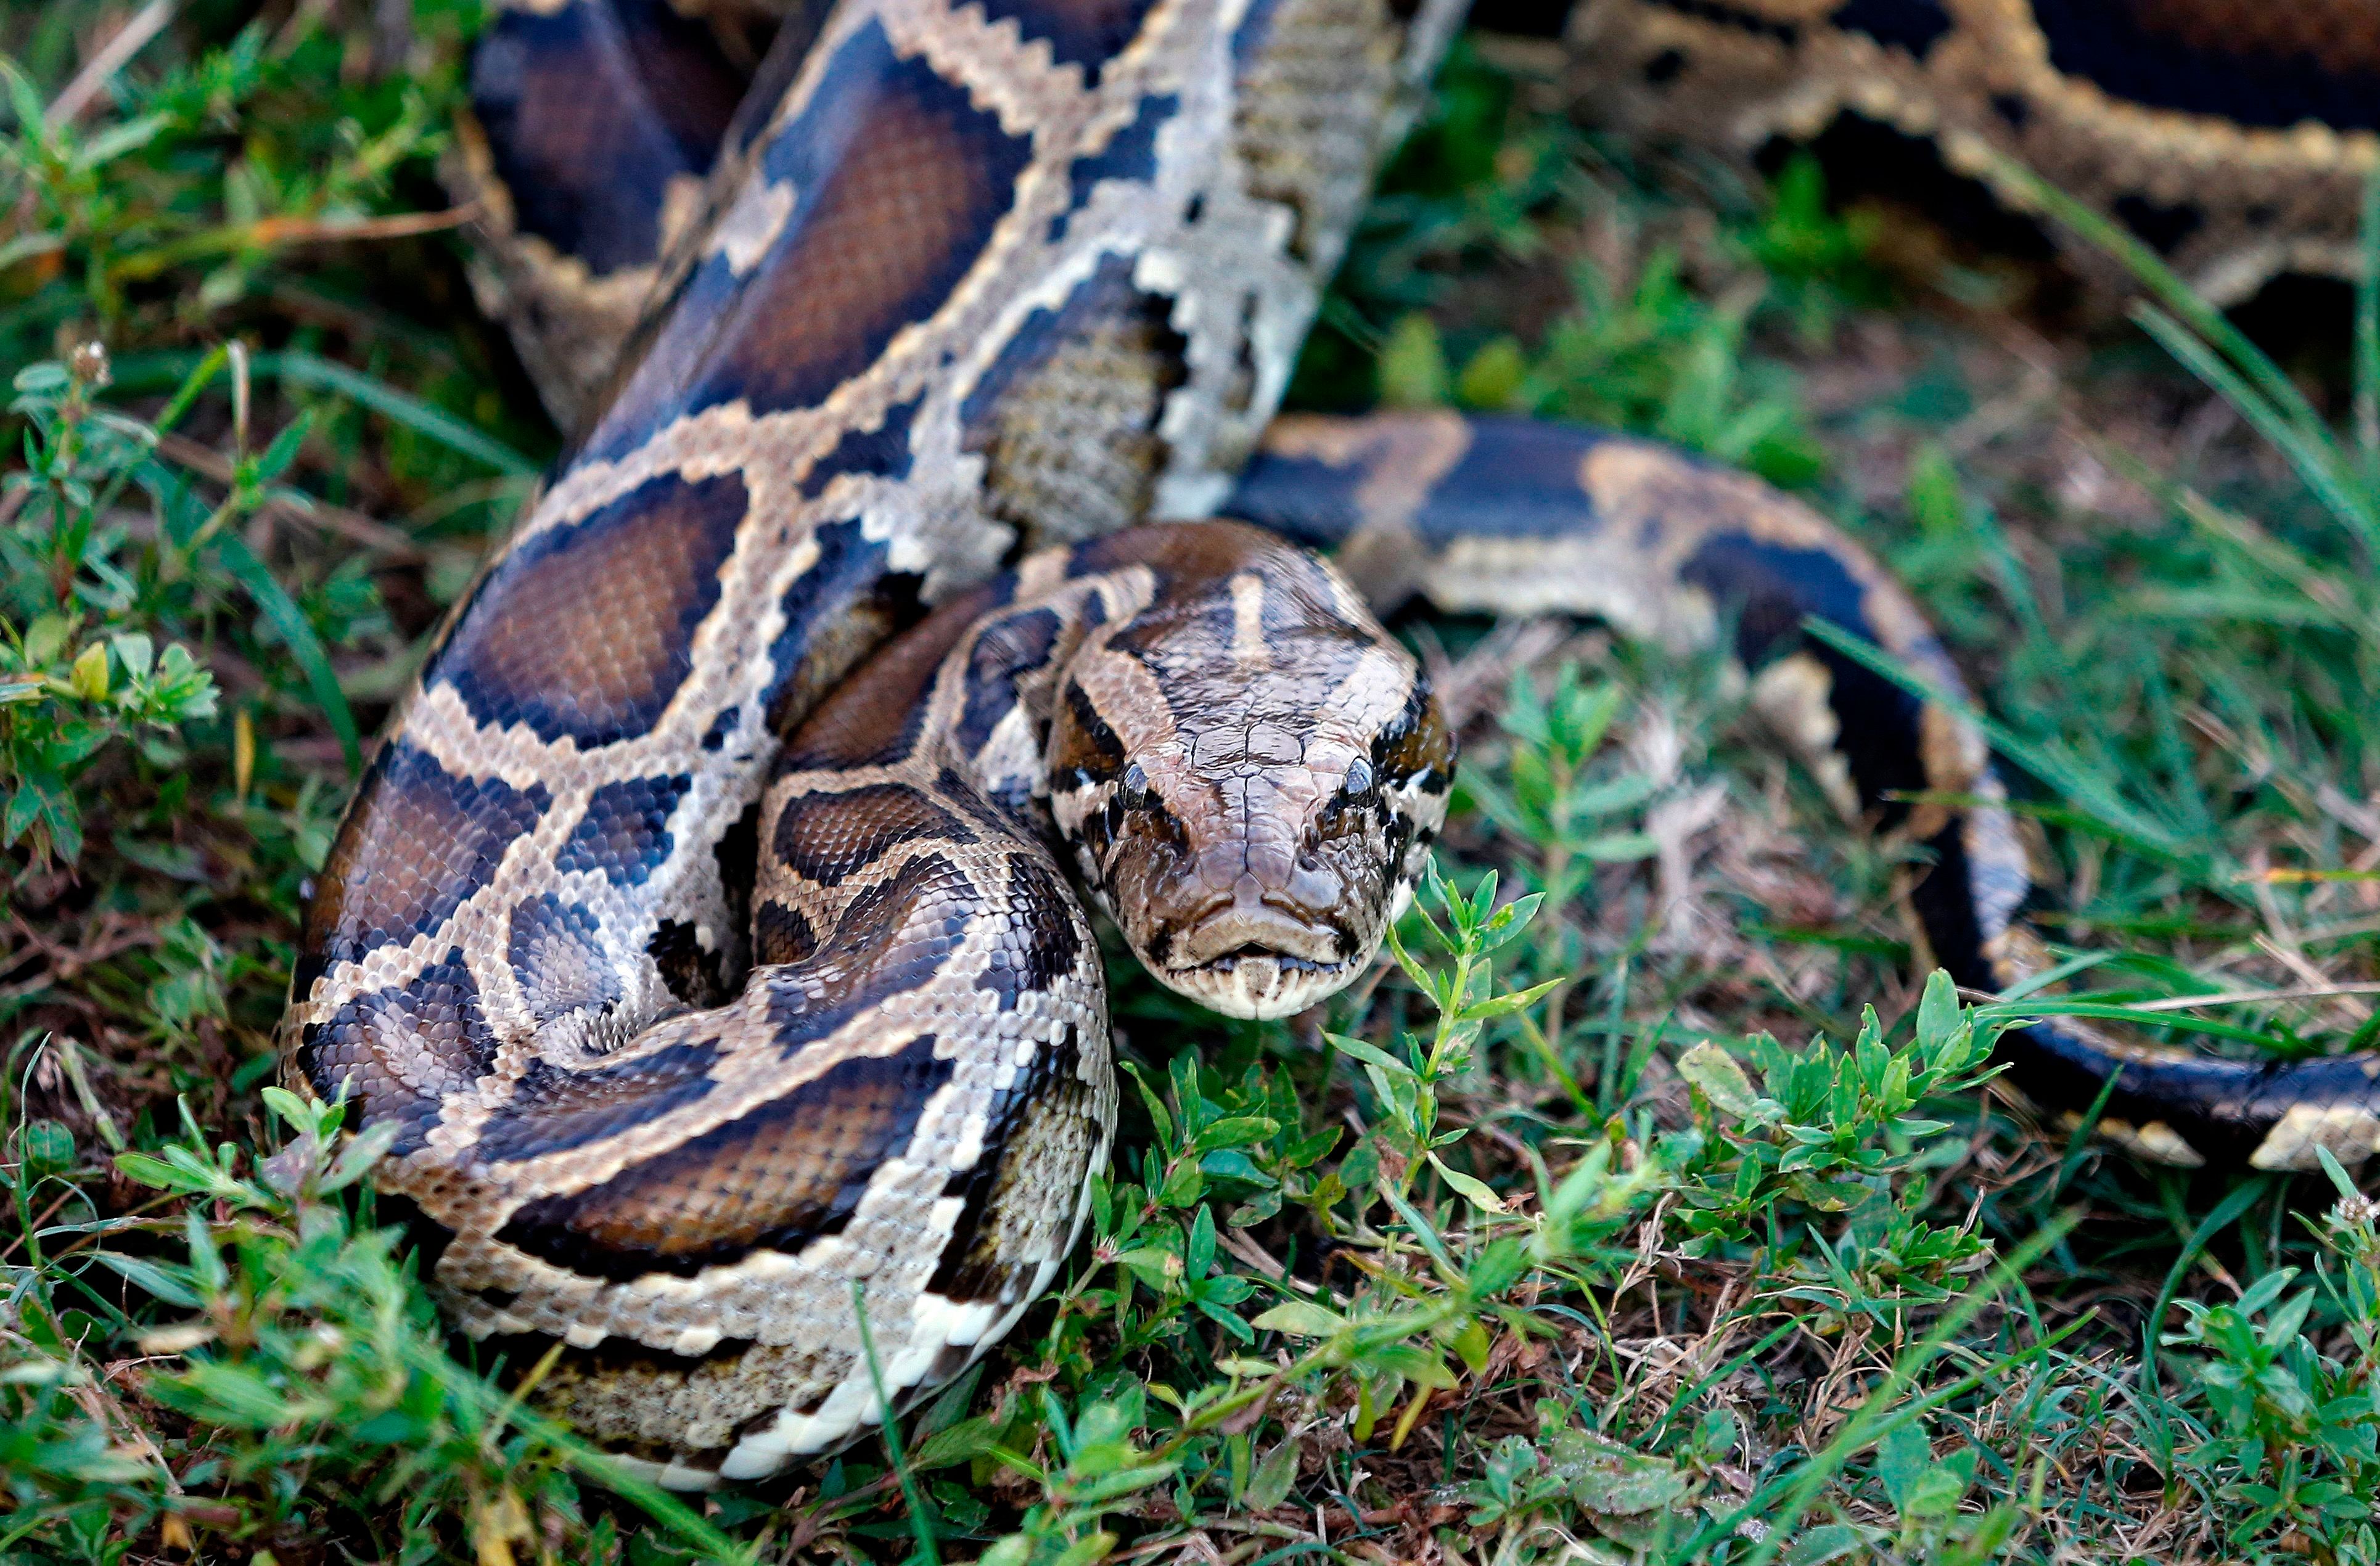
[[302, 1347], [2283, 1431], [1830, 1130]]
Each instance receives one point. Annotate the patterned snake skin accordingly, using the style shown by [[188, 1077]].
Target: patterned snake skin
[[2231, 136], [954, 283]]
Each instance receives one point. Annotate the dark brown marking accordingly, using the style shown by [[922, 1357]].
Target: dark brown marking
[[1131, 153], [1302, 498], [826, 837], [695, 974], [841, 609], [897, 182], [394, 1053], [875, 718], [1414, 744], [1039, 945], [1771, 591], [2271, 67], [1005, 653], [889, 940], [882, 451], [1517, 478], [591, 111], [1085, 750], [624, 833], [587, 630], [779, 934], [554, 1109], [777, 1177], [414, 845], [1088, 33]]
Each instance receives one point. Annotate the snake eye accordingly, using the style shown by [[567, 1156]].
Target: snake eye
[[1132, 789], [1359, 779]]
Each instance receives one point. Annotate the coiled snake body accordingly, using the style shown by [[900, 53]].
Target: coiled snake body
[[968, 279]]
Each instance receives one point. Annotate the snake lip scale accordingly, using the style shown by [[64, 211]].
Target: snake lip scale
[[711, 928]]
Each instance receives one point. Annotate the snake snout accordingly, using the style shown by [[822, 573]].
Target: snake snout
[[1251, 925], [1254, 952]]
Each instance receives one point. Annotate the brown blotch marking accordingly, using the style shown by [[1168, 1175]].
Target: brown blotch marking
[[899, 182], [1066, 418], [1039, 944], [2343, 35], [554, 1109], [777, 1177], [781, 934], [624, 830], [590, 111], [415, 843], [694, 975], [1415, 741], [875, 718], [888, 940], [826, 837], [394, 1053], [1005, 653], [841, 608], [1083, 750], [587, 630], [1513, 478], [1087, 33]]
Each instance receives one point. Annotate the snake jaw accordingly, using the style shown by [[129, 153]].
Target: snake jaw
[[1252, 959], [1257, 985]]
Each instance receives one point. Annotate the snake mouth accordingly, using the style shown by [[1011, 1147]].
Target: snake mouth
[[1255, 983], [1261, 962]]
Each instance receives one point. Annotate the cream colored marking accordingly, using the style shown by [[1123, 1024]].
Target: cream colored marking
[[1248, 646], [2351, 1132], [2156, 1141], [696, 1341], [1791, 696], [752, 225]]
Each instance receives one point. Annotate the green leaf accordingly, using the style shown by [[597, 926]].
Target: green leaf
[[149, 1276], [1938, 1021], [1833, 1541], [1712, 1068], [1276, 1472], [283, 449], [1370, 1054], [1902, 1457], [1474, 1191], [1236, 1131], [1301, 1318], [1501, 1005], [961, 1442], [1608, 1479], [46, 1146], [289, 622]]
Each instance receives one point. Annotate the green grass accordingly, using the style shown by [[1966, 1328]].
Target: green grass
[[1543, 1247]]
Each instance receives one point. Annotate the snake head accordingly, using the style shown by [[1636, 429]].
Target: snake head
[[1250, 778]]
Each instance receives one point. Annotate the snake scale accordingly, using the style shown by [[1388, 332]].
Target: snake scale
[[711, 974]]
